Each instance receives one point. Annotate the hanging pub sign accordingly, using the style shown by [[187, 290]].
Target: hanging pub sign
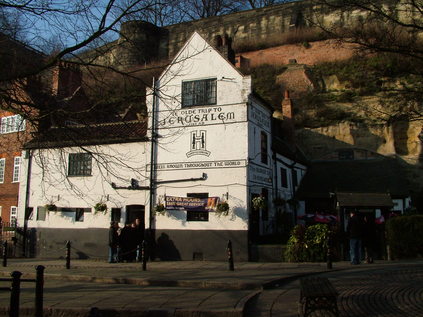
[[191, 203]]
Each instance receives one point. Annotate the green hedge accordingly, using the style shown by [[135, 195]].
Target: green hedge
[[307, 244], [405, 236]]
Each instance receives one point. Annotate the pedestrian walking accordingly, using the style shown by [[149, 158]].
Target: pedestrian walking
[[355, 232], [113, 242]]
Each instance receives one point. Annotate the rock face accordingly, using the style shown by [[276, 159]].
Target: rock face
[[400, 139]]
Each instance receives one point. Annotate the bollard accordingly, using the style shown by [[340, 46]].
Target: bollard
[[143, 257], [15, 291], [39, 291], [68, 254], [4, 253], [230, 256]]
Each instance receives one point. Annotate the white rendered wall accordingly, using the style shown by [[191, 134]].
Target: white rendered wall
[[49, 183]]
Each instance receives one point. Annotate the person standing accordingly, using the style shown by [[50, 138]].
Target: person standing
[[113, 241], [369, 238], [354, 230]]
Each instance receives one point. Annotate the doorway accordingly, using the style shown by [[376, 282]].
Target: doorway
[[135, 212]]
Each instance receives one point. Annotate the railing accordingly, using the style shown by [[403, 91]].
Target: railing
[[15, 290]]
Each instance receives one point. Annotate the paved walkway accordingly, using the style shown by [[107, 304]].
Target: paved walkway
[[185, 288]]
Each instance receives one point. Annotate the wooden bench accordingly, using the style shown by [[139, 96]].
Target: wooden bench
[[317, 293]]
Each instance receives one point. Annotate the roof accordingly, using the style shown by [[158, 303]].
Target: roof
[[364, 199], [96, 134], [292, 152], [383, 175]]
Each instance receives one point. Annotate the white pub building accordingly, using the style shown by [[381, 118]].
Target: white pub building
[[207, 168]]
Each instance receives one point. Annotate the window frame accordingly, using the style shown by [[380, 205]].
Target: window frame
[[199, 92], [13, 215], [284, 177], [2, 169], [198, 215], [11, 124], [41, 213], [16, 169], [76, 166]]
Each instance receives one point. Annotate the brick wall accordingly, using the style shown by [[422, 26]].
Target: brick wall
[[10, 147]]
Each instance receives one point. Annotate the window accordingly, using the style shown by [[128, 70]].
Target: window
[[80, 164], [2, 167], [79, 212], [116, 214], [346, 155], [263, 147], [294, 178], [12, 124], [199, 92], [41, 213], [13, 215], [198, 215], [16, 169], [284, 178]]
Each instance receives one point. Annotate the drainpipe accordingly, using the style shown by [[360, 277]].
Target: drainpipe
[[27, 194], [151, 237]]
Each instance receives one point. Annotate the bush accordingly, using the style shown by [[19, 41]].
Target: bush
[[404, 236], [308, 244]]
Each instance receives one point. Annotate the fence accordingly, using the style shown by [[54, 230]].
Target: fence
[[15, 290]]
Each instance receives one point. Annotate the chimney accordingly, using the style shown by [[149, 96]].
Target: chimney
[[66, 79], [224, 46], [287, 106], [288, 120]]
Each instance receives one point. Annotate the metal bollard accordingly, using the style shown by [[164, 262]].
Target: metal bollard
[[68, 254], [143, 257], [4, 253], [39, 291], [329, 255], [15, 291], [230, 256]]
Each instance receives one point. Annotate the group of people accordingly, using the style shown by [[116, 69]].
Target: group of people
[[362, 236], [124, 242]]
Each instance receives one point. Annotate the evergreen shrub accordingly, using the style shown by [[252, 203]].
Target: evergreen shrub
[[308, 244], [405, 237]]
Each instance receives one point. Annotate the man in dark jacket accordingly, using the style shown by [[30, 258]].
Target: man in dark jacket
[[113, 241], [355, 231]]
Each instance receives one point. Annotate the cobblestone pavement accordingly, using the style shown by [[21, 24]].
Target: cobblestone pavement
[[393, 291], [364, 291]]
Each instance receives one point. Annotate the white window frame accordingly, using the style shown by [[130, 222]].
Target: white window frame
[[16, 168], [12, 124], [1, 207], [13, 214], [2, 169]]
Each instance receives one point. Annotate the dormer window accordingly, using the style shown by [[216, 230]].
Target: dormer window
[[199, 92]]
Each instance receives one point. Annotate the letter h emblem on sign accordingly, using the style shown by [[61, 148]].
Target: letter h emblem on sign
[[198, 144]]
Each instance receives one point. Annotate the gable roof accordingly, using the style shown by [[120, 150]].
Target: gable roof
[[355, 176], [197, 36], [119, 132]]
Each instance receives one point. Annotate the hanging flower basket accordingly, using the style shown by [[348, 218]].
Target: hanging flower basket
[[100, 207], [160, 209], [259, 202], [222, 208], [51, 207]]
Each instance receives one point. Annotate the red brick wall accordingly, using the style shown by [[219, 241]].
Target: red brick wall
[[318, 52], [10, 146]]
